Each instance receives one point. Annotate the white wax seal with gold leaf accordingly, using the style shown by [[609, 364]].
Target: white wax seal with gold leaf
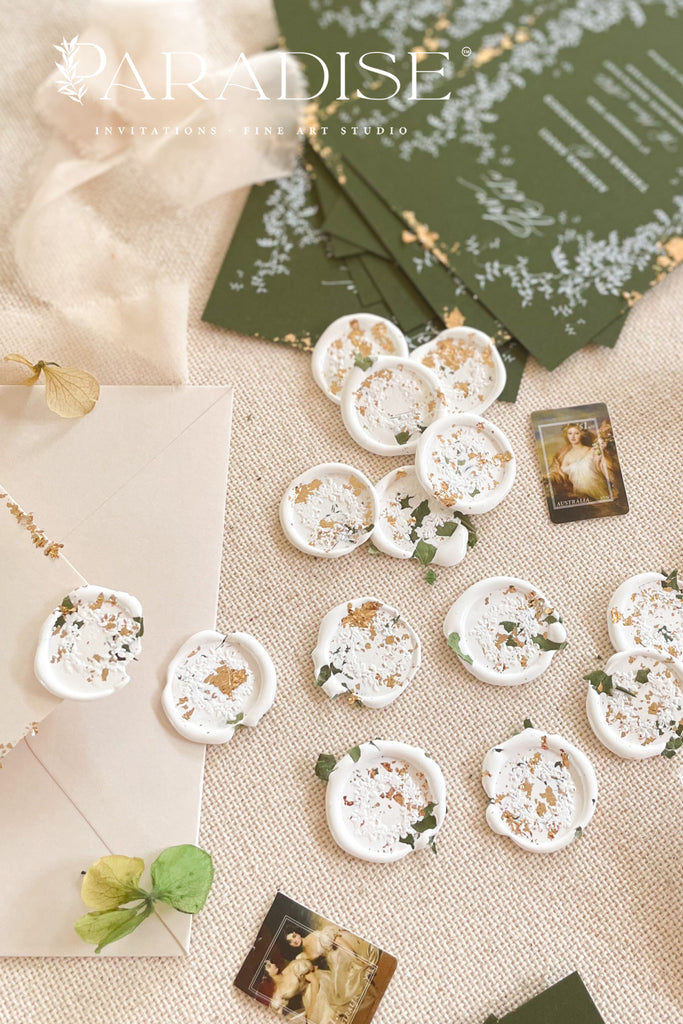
[[542, 791], [353, 341], [411, 523], [366, 652], [329, 510], [466, 462], [217, 684], [468, 366], [635, 704], [504, 630], [387, 407], [87, 643], [647, 611], [385, 800]]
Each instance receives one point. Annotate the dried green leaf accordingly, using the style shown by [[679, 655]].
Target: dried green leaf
[[403, 437], [112, 881], [548, 645], [454, 644], [106, 926], [325, 765], [182, 876], [430, 577], [354, 754], [600, 681], [424, 552], [363, 362]]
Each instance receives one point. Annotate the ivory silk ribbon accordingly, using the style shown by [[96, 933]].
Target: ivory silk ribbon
[[71, 251]]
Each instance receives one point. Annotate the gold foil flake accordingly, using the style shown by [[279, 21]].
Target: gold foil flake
[[363, 617], [25, 519], [304, 491], [227, 679], [453, 317], [422, 234]]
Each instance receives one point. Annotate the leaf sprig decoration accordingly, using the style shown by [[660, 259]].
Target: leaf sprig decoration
[[603, 683], [69, 392], [181, 877]]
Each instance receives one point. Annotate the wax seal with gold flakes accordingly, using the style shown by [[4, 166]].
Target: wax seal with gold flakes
[[468, 366], [635, 704], [88, 642], [329, 510], [504, 630], [647, 611], [217, 684], [412, 521], [542, 791], [387, 407], [367, 652], [466, 462], [353, 341], [385, 800]]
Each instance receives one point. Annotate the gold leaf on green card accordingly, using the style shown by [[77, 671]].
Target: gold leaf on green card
[[112, 881]]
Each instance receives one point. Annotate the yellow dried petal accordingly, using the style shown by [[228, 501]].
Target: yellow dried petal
[[111, 881], [70, 392], [35, 369]]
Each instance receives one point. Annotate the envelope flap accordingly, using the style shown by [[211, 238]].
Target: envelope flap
[[68, 468]]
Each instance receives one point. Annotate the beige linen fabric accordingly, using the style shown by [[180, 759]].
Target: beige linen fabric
[[482, 926]]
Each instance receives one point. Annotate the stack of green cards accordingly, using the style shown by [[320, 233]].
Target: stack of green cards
[[567, 1002], [536, 203]]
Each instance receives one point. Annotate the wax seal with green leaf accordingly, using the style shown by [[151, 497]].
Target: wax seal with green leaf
[[181, 876]]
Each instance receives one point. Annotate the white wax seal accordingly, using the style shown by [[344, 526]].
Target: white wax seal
[[504, 630], [408, 516], [385, 800], [351, 341], [542, 791], [366, 650], [635, 704], [329, 510], [387, 407], [468, 367], [647, 611], [466, 462], [86, 644], [217, 684]]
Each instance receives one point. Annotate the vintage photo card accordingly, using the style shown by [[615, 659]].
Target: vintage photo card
[[311, 971], [579, 463]]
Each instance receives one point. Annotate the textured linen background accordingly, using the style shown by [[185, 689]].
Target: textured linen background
[[482, 926]]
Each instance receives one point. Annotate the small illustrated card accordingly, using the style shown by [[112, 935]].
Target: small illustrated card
[[579, 463], [309, 970]]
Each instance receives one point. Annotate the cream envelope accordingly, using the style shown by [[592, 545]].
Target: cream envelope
[[136, 493]]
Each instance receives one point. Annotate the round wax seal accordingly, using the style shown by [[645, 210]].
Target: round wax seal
[[385, 800], [635, 706], [366, 650], [468, 367], [504, 630], [216, 684], [466, 463], [350, 341], [329, 510], [386, 408], [86, 644], [647, 611], [542, 791], [409, 515]]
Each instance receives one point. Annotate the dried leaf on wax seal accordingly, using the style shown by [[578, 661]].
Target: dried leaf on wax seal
[[69, 392]]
